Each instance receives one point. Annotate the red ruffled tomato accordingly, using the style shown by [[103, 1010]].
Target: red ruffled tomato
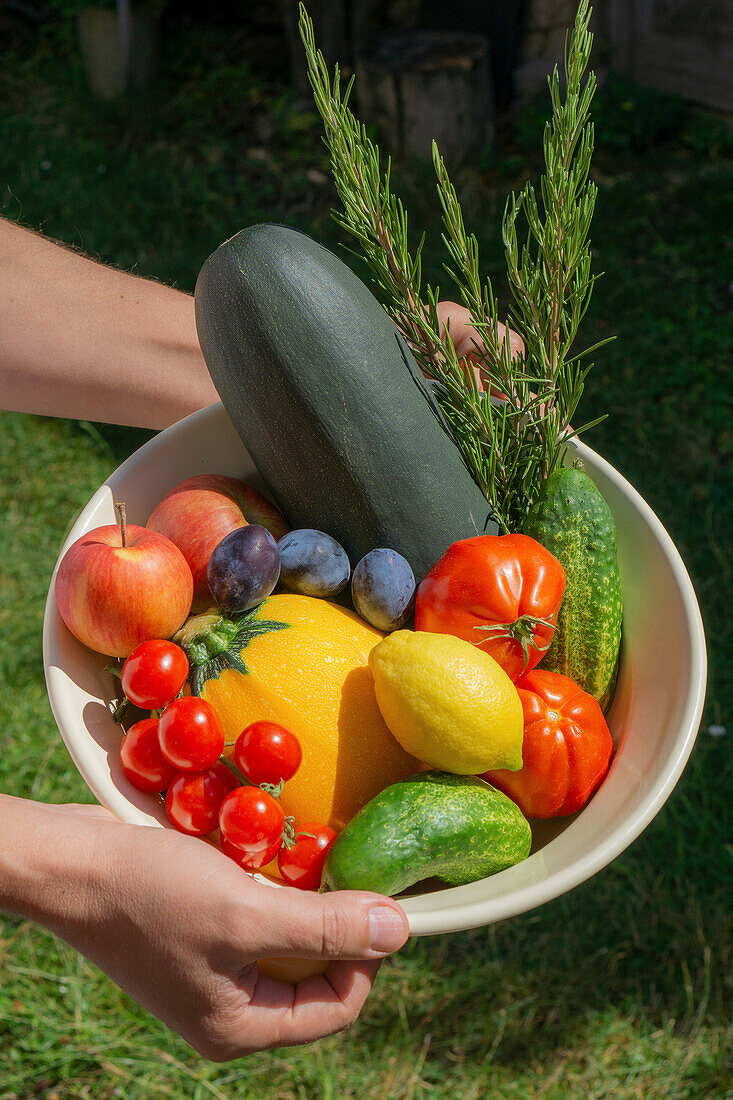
[[154, 673], [250, 861], [501, 592], [191, 735], [566, 749], [251, 820], [267, 753], [194, 799], [302, 865], [142, 761]]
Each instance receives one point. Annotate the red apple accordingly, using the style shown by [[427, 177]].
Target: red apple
[[200, 511], [112, 597]]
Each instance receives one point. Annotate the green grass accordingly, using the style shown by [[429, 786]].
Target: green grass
[[621, 988]]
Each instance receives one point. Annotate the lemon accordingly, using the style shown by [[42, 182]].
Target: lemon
[[447, 702]]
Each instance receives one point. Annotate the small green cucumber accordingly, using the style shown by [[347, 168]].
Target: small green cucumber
[[433, 825], [573, 521]]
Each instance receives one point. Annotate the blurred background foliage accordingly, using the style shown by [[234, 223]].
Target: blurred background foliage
[[622, 988]]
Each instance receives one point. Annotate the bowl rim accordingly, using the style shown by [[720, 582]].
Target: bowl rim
[[443, 918]]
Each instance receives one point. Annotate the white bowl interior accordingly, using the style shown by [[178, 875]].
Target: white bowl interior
[[654, 716]]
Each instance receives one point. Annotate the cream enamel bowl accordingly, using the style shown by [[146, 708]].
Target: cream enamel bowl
[[654, 716]]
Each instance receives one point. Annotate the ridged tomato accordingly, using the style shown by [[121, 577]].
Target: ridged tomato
[[566, 749], [501, 592]]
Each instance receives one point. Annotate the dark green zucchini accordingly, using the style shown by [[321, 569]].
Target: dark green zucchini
[[329, 401], [433, 825]]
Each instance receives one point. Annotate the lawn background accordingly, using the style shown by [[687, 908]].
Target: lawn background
[[619, 989]]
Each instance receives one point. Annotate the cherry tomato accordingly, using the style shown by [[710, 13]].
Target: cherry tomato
[[566, 749], [250, 861], [267, 753], [251, 819], [194, 799], [142, 761], [191, 735], [302, 865], [154, 673], [227, 777]]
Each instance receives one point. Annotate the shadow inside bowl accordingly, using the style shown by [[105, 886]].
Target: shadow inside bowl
[[108, 736]]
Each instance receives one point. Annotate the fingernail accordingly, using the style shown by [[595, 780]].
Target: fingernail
[[386, 929]]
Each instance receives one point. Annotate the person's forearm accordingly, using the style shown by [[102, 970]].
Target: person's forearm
[[82, 340], [43, 869]]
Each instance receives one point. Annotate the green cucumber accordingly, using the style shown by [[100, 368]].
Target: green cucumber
[[328, 400], [456, 828], [572, 520]]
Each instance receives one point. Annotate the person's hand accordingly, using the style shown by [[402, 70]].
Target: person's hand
[[179, 927], [457, 319]]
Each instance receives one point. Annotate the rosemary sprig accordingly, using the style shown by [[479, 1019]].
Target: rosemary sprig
[[519, 412], [513, 440], [550, 275]]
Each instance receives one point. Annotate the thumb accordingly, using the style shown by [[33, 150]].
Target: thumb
[[346, 924]]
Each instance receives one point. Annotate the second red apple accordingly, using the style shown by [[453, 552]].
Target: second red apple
[[199, 512]]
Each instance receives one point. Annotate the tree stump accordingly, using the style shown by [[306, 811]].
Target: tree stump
[[423, 85]]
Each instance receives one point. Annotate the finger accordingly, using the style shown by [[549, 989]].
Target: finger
[[346, 924], [476, 354], [516, 343], [280, 1015], [456, 320], [329, 1003], [459, 322]]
